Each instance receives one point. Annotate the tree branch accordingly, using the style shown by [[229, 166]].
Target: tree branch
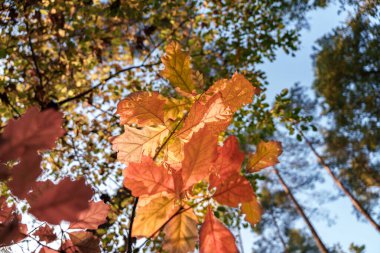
[[84, 93]]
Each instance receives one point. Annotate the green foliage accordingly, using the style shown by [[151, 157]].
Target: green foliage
[[347, 79]]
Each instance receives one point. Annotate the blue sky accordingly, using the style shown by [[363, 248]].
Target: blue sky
[[283, 73]]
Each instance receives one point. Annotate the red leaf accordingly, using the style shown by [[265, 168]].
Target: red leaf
[[82, 242], [12, 231], [200, 153], [91, 218], [46, 234], [35, 130], [229, 159], [21, 140], [25, 174], [147, 178], [215, 237], [232, 191], [5, 210], [53, 203]]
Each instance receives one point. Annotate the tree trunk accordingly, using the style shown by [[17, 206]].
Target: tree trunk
[[321, 246], [354, 201]]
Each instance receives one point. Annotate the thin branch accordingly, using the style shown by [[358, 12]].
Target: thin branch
[[104, 81]]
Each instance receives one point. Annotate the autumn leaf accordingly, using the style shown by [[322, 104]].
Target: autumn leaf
[[231, 191], [12, 231], [213, 113], [229, 159], [199, 154], [175, 108], [152, 216], [134, 143], [252, 211], [266, 155], [142, 108], [25, 173], [5, 210], [147, 178], [45, 233], [177, 68], [84, 242], [35, 130], [236, 92], [181, 233], [90, 218], [56, 202], [215, 237]]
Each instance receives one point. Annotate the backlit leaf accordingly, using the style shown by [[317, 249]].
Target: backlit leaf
[[215, 237], [229, 159], [150, 217], [177, 68], [213, 113], [181, 233], [252, 211], [232, 191], [147, 178], [236, 91], [266, 155], [200, 152], [92, 217], [134, 143], [142, 108]]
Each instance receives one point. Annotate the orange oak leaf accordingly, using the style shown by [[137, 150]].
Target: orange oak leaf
[[213, 113], [46, 233], [83, 242], [142, 108], [90, 218], [236, 92], [12, 231], [177, 68], [181, 233], [232, 191], [266, 155], [199, 154], [215, 237], [147, 178], [56, 202], [134, 143], [252, 211], [153, 214], [229, 159]]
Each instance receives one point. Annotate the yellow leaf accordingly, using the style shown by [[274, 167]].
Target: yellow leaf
[[177, 68], [134, 143], [175, 108], [152, 216], [266, 155], [181, 233], [252, 211]]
